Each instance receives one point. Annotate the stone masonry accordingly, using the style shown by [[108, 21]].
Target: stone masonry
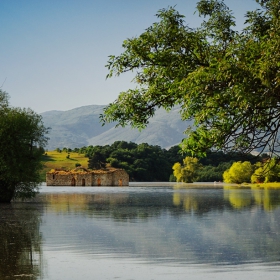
[[84, 177]]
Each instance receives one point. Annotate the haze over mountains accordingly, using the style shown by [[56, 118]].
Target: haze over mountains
[[81, 127]]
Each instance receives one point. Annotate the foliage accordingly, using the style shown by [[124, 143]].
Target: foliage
[[22, 138], [145, 162], [211, 173], [97, 161], [188, 171], [267, 172], [216, 158], [142, 162], [226, 81], [239, 172]]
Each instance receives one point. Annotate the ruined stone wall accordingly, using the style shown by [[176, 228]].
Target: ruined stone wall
[[53, 179], [69, 179], [115, 177], [84, 179], [102, 179], [120, 178]]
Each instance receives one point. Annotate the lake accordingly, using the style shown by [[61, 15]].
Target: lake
[[145, 231]]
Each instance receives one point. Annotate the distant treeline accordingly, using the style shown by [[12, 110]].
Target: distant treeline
[[146, 163]]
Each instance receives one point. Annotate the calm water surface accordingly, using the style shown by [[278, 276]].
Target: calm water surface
[[145, 231]]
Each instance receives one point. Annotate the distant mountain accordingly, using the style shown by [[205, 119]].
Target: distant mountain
[[81, 127]]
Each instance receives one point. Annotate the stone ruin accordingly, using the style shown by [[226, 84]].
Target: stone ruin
[[84, 177]]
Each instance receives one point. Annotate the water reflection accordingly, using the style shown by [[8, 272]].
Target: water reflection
[[151, 226], [20, 242], [268, 199], [218, 226], [141, 205], [233, 197]]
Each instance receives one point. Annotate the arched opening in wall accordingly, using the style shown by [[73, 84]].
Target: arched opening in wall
[[98, 182], [53, 176], [120, 182], [83, 182], [73, 182]]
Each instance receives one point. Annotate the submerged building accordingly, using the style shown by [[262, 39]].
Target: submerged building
[[83, 177]]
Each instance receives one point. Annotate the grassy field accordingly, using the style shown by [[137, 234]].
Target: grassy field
[[55, 160]]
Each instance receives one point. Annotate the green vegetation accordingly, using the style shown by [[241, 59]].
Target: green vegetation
[[142, 162], [266, 171], [239, 172], [146, 162], [275, 185], [58, 160], [225, 80], [210, 168], [188, 172], [22, 138], [259, 171]]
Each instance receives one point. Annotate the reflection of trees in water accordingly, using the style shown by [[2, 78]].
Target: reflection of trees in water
[[238, 198], [182, 231], [20, 242], [202, 201], [127, 206], [268, 199]]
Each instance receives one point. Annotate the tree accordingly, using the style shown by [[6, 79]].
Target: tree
[[97, 161], [188, 172], [211, 173], [226, 81], [239, 172], [22, 138], [267, 172]]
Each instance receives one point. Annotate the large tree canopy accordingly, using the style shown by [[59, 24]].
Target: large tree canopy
[[227, 81], [22, 138]]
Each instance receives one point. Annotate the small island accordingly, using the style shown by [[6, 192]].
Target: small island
[[86, 177]]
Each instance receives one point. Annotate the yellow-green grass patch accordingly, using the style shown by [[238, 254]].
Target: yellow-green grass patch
[[56, 160], [275, 185]]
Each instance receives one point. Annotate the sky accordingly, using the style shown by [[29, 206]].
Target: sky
[[53, 52]]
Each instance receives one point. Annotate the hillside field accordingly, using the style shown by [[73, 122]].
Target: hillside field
[[56, 160]]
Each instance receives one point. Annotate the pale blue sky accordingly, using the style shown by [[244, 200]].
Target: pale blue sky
[[53, 52]]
